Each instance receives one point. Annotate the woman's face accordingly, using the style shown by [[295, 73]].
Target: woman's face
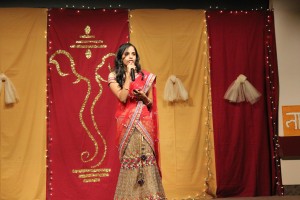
[[129, 56]]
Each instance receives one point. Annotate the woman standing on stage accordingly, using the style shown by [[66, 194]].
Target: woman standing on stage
[[137, 129]]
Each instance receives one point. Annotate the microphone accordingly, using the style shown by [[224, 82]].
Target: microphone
[[132, 74]]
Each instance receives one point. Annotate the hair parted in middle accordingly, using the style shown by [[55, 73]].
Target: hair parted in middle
[[119, 68]]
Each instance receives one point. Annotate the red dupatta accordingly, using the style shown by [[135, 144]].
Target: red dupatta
[[135, 114]]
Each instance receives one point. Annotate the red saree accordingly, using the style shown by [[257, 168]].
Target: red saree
[[137, 133], [135, 114]]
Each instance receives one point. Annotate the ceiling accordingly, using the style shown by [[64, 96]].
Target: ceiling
[[139, 4]]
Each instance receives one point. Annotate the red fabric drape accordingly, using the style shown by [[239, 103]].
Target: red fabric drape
[[272, 89], [241, 132], [82, 156]]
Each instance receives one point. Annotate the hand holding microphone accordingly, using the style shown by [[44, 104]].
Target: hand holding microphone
[[131, 66], [132, 74]]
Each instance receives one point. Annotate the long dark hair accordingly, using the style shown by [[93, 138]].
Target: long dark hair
[[119, 69]]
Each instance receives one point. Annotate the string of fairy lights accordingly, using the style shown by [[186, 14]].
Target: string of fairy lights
[[49, 171], [117, 5], [272, 79], [49, 135], [206, 193], [92, 7]]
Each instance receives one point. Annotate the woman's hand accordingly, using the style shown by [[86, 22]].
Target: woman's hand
[[141, 96], [130, 66]]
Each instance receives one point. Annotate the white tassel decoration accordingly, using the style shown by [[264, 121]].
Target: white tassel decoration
[[174, 90], [240, 90], [11, 95]]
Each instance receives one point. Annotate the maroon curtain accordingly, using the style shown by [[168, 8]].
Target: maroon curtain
[[272, 89], [242, 134], [82, 155]]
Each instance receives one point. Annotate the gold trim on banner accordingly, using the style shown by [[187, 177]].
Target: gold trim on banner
[[85, 156], [78, 171], [89, 41], [58, 67], [89, 44], [87, 36], [80, 46], [91, 175], [98, 80], [88, 175], [94, 180], [88, 54]]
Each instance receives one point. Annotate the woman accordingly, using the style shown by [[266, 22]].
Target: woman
[[139, 176]]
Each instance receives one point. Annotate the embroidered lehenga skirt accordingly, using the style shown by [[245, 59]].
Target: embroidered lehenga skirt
[[139, 176]]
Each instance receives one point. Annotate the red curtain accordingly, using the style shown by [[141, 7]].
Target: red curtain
[[82, 156], [272, 89], [242, 131]]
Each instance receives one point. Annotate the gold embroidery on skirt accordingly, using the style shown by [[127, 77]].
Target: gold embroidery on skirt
[[127, 186]]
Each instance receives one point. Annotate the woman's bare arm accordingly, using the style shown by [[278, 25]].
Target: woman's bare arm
[[121, 94]]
